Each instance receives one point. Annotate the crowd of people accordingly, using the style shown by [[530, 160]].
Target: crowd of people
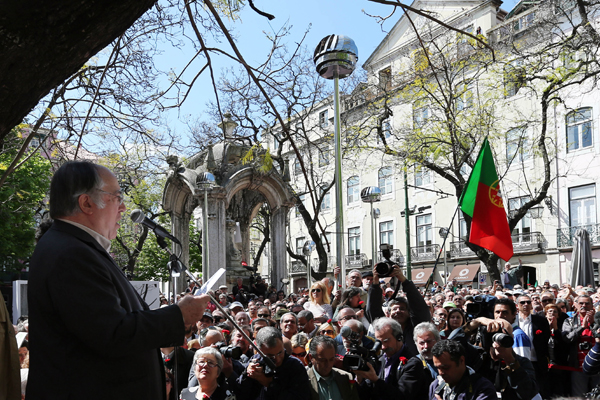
[[90, 335], [370, 341]]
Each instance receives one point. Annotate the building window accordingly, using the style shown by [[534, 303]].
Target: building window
[[464, 96], [385, 180], [354, 241], [326, 202], [582, 205], [300, 245], [297, 167], [353, 189], [463, 232], [386, 233], [385, 78], [422, 176], [301, 198], [523, 228], [420, 117], [324, 119], [514, 78], [517, 145], [324, 156], [579, 129], [464, 45], [424, 232]]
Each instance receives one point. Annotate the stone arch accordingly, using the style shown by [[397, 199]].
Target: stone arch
[[182, 195]]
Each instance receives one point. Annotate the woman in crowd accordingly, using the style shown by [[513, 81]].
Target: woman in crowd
[[208, 364], [319, 302], [299, 341], [351, 298], [327, 328], [558, 350], [456, 319]]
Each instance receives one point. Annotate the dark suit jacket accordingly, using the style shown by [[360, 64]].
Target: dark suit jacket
[[341, 378], [406, 381], [92, 336], [540, 340]]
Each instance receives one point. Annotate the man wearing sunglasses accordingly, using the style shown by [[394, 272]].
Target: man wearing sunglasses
[[538, 330]]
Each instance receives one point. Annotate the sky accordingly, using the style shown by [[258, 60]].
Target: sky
[[321, 17]]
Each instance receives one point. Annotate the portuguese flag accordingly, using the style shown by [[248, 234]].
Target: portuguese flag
[[481, 201]]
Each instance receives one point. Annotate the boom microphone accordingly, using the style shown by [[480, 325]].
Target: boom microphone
[[138, 217]]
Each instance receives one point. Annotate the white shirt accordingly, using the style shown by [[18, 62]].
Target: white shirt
[[525, 325], [102, 241]]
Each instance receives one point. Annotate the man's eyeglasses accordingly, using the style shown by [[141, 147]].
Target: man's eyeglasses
[[347, 317], [264, 315], [206, 363], [525, 302], [274, 356], [118, 196], [546, 300]]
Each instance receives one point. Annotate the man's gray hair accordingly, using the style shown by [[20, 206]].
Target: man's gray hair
[[356, 323], [380, 323], [321, 340], [292, 314], [268, 336], [209, 350], [353, 271], [426, 327], [70, 181]]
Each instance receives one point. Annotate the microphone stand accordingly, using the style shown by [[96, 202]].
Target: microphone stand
[[177, 265]]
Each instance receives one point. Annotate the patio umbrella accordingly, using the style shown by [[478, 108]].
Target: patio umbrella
[[582, 268]]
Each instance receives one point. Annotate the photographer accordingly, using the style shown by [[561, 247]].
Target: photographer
[[401, 373], [513, 375], [408, 312], [289, 380]]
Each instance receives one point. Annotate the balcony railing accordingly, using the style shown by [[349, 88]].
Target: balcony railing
[[424, 253], [331, 261], [357, 260], [565, 235], [523, 242], [459, 250]]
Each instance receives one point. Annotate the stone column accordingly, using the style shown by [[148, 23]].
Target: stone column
[[217, 231], [278, 246], [180, 222]]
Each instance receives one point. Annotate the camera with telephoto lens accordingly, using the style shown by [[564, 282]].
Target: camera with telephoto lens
[[232, 352], [385, 268], [357, 356], [502, 338]]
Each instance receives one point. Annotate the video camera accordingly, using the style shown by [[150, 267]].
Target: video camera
[[357, 356], [385, 268], [233, 352], [482, 306]]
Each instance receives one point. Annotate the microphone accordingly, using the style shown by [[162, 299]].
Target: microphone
[[348, 333], [138, 217]]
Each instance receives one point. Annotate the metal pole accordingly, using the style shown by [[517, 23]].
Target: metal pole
[[205, 237], [373, 238], [407, 222], [339, 206], [445, 264]]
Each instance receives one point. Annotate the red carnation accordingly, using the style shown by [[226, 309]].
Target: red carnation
[[329, 321], [403, 360], [538, 332]]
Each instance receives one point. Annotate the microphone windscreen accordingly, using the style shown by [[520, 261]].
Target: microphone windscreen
[[137, 216], [346, 332]]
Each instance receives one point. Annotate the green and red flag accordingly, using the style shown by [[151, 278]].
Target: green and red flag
[[482, 202]]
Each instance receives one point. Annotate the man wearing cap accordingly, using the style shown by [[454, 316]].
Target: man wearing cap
[[206, 321], [235, 308], [367, 279]]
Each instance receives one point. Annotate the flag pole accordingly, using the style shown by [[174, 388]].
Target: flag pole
[[430, 280]]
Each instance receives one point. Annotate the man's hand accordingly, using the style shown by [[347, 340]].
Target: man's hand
[[587, 320], [370, 374], [498, 352], [256, 372], [397, 272], [227, 367], [375, 276], [336, 272], [193, 307]]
